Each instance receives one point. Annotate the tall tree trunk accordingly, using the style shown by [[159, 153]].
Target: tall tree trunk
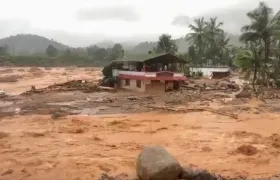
[[254, 77]]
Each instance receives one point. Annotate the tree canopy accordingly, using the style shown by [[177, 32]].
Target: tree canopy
[[165, 44], [51, 51], [209, 43], [260, 56]]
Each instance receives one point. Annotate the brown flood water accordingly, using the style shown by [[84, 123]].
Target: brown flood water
[[82, 147]]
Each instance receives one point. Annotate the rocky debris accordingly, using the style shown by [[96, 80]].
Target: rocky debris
[[210, 85], [58, 114], [227, 85], [155, 163], [132, 98], [244, 93], [102, 100], [3, 94], [118, 177]]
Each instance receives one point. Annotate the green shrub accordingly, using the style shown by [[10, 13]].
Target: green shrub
[[277, 83]]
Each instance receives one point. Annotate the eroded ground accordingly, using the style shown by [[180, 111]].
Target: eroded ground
[[104, 132]]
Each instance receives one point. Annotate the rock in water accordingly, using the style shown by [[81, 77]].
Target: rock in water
[[155, 163]]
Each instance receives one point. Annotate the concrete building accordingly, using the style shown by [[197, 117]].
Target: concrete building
[[150, 72]]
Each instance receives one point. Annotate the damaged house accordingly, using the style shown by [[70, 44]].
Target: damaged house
[[150, 72]]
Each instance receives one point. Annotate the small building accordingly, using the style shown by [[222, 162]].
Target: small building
[[150, 72]]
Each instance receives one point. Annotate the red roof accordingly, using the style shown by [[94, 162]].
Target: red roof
[[164, 78]]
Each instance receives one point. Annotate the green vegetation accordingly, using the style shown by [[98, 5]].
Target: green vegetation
[[209, 43], [51, 51], [91, 56], [166, 45], [259, 59]]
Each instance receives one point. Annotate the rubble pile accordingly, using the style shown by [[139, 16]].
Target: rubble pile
[[209, 85], [74, 85]]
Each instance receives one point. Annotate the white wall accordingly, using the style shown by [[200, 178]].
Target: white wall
[[207, 71]]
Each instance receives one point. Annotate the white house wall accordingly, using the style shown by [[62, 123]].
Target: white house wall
[[208, 71]]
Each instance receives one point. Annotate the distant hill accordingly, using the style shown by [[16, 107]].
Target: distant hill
[[28, 44], [24, 44]]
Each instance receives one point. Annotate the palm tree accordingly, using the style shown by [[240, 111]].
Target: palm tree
[[214, 30], [198, 36], [198, 39], [260, 28], [249, 62]]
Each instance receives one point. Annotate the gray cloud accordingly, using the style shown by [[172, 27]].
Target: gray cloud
[[181, 20], [124, 13], [235, 17]]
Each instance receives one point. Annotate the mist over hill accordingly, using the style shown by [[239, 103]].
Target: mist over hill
[[28, 44], [25, 44]]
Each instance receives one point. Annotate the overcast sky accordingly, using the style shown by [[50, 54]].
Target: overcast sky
[[83, 22]]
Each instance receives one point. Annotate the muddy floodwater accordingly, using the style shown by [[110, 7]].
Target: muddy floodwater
[[103, 132]]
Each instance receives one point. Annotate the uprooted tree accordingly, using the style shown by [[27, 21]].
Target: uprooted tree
[[108, 79]]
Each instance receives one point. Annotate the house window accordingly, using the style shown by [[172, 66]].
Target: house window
[[138, 83], [127, 82]]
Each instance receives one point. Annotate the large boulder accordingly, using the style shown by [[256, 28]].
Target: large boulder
[[155, 163]]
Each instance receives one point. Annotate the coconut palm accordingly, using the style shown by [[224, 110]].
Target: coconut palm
[[260, 28], [214, 30], [248, 60], [198, 36]]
